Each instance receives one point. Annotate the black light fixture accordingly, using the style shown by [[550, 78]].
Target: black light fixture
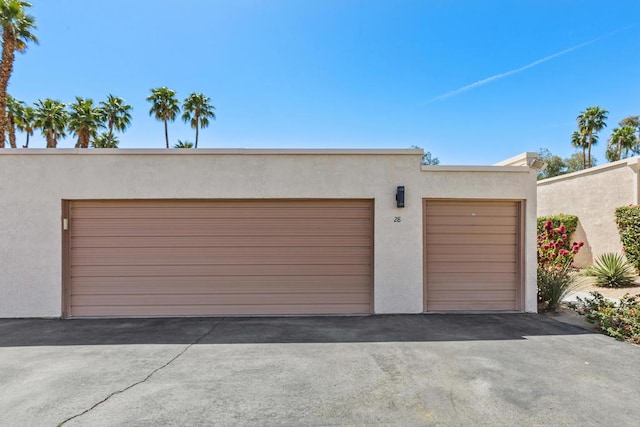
[[400, 196]]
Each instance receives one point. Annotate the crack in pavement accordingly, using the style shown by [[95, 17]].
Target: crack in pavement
[[173, 359]]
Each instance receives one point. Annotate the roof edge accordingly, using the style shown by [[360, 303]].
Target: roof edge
[[213, 151]]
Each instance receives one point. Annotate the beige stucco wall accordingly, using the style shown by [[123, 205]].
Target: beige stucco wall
[[33, 183], [592, 195]]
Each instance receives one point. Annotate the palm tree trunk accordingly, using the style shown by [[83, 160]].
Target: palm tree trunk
[[584, 158], [589, 156], [27, 144], [197, 128], [12, 134], [620, 149], [166, 133], [51, 141], [8, 56]]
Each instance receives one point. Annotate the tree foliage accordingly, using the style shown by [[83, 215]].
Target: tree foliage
[[427, 157], [116, 115], [164, 107], [197, 112], [621, 143], [104, 140], [51, 118], [183, 144], [556, 165], [590, 122], [84, 120], [17, 32]]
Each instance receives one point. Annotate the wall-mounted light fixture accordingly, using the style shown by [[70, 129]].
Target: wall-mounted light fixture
[[537, 163], [400, 196]]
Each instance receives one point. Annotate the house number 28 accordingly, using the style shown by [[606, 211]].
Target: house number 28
[[397, 219]]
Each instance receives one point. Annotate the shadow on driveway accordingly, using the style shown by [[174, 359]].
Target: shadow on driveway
[[258, 330]]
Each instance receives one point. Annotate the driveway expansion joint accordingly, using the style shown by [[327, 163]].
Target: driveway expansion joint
[[129, 387]]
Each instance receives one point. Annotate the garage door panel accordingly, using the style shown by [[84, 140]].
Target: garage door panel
[[457, 276], [171, 258], [471, 255], [438, 221], [470, 286], [484, 295], [218, 299], [472, 267], [216, 256], [141, 227], [475, 249], [221, 212], [220, 270], [472, 306], [219, 242], [221, 285], [488, 209], [472, 229], [240, 204], [469, 239], [219, 310]]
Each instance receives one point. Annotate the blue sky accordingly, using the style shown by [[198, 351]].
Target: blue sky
[[348, 73]]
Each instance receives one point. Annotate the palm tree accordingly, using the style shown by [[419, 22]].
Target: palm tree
[[116, 115], [17, 26], [197, 112], [51, 118], [578, 140], [183, 144], [14, 113], [25, 123], [634, 122], [590, 122], [105, 140], [165, 107], [84, 120], [622, 139]]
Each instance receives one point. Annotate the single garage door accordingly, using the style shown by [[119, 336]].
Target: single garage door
[[201, 258], [472, 251]]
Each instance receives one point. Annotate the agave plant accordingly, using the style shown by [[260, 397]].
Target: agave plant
[[612, 270]]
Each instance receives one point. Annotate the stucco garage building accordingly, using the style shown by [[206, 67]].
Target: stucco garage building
[[593, 195], [101, 233]]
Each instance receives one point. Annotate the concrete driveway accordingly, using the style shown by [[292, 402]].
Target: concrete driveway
[[392, 370]]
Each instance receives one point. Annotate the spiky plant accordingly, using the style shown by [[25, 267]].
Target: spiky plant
[[612, 270]]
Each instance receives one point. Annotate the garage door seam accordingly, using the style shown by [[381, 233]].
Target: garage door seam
[[173, 359]]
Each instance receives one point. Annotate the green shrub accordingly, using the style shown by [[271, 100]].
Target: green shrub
[[621, 321], [569, 221], [611, 271], [628, 222], [553, 286]]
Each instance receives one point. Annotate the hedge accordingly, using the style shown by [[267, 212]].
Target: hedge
[[628, 222], [570, 222]]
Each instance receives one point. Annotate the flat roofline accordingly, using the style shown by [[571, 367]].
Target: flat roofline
[[474, 168], [212, 151], [632, 162]]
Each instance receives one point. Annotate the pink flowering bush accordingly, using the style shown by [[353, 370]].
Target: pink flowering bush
[[554, 250], [555, 258]]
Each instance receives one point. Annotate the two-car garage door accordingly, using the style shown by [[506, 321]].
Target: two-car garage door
[[218, 257]]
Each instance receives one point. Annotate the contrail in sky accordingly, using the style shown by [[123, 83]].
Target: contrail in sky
[[518, 70]]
